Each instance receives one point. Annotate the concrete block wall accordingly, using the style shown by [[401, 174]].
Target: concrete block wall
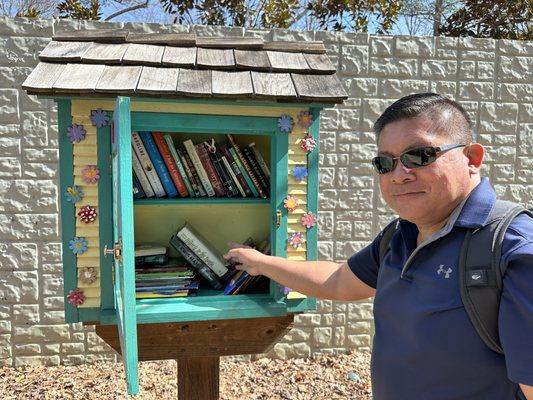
[[491, 79]]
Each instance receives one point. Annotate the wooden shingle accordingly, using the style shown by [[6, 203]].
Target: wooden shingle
[[79, 77], [287, 62], [319, 87], [179, 56], [194, 82], [64, 51], [105, 53], [90, 35], [120, 79], [273, 85], [320, 63], [225, 83], [254, 60], [296, 47], [143, 54], [168, 39], [43, 77], [238, 42], [215, 58], [158, 80]]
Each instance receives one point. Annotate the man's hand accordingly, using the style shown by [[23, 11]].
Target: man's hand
[[245, 258]]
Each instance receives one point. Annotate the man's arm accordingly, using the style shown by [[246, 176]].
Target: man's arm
[[528, 391], [322, 279]]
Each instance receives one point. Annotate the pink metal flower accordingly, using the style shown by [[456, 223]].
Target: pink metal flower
[[305, 119], [309, 220], [296, 239], [87, 214], [76, 297], [308, 143], [290, 203], [90, 174]]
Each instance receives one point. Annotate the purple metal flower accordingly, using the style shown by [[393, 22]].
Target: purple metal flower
[[285, 123], [299, 172], [286, 290], [99, 118], [76, 133]]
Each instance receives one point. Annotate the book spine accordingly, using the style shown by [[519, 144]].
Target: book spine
[[260, 160], [202, 249], [138, 191], [179, 164], [210, 170], [216, 158], [247, 167], [146, 163], [236, 171], [233, 176], [189, 146], [141, 175], [172, 168], [159, 164], [195, 262], [249, 182], [250, 158], [187, 165]]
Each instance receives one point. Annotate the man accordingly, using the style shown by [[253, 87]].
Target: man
[[425, 346]]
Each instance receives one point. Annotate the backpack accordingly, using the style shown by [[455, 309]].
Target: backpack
[[480, 275]]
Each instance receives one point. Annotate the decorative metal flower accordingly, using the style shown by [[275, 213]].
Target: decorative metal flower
[[299, 172], [296, 239], [285, 123], [88, 275], [308, 143], [309, 220], [305, 119], [286, 290], [99, 118], [76, 133], [90, 174], [290, 203], [78, 245], [76, 297], [87, 214], [74, 194]]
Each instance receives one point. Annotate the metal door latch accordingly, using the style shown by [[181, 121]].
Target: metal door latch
[[278, 218], [116, 251]]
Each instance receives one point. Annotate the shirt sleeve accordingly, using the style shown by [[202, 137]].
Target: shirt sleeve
[[516, 307], [364, 264]]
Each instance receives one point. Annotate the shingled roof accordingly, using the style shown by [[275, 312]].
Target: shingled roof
[[111, 62]]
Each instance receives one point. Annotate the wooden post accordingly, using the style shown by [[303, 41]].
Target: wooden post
[[198, 378]]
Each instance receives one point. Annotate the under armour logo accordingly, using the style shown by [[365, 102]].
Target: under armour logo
[[446, 272]]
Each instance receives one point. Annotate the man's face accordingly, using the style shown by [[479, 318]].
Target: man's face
[[427, 194]]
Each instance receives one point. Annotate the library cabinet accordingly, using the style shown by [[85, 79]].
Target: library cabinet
[[129, 86]]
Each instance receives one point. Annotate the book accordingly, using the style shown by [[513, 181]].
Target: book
[[237, 175], [159, 164], [244, 173], [261, 178], [158, 259], [147, 165], [141, 175], [211, 170], [195, 262], [203, 249], [172, 168], [204, 179], [149, 249], [179, 164], [138, 191], [187, 165], [248, 168], [164, 294], [260, 160], [223, 173]]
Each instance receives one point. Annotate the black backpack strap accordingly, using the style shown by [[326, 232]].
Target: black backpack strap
[[386, 236], [480, 273]]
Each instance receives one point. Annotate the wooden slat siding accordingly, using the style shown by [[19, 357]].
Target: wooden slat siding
[[89, 35], [43, 77], [248, 43], [319, 87], [79, 78], [64, 51], [287, 62], [158, 80], [296, 47], [194, 82], [121, 79], [179, 56], [168, 39], [105, 53], [254, 60], [320, 63], [231, 83], [273, 85], [145, 54], [215, 58]]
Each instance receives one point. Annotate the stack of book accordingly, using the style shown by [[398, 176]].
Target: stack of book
[[162, 168], [158, 276]]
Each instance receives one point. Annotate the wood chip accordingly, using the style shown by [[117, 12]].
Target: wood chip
[[232, 83], [79, 78], [194, 82], [43, 77], [105, 53], [215, 58], [144, 54], [254, 60], [287, 62], [273, 85], [179, 56], [120, 79], [157, 80], [64, 51]]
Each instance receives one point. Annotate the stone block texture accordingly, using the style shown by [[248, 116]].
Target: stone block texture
[[492, 79]]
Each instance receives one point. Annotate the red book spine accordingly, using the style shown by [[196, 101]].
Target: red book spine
[[169, 162], [218, 187]]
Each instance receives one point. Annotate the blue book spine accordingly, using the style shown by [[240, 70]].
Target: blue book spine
[[138, 191], [235, 283], [159, 164]]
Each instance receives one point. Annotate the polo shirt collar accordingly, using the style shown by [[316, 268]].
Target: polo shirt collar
[[478, 206]]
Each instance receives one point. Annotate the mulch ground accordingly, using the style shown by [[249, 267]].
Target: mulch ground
[[343, 376]]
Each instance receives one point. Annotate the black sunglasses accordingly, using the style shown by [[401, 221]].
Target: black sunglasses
[[414, 158]]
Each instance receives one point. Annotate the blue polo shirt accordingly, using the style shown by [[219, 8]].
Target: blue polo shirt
[[425, 347]]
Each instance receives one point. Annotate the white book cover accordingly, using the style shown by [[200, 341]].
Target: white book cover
[[233, 176], [203, 249], [139, 171], [148, 167], [189, 146], [149, 249]]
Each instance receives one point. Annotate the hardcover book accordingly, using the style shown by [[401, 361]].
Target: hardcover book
[[147, 165]]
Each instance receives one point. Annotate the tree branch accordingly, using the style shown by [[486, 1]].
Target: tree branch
[[128, 9]]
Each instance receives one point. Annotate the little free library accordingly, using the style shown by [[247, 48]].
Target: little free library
[[171, 146]]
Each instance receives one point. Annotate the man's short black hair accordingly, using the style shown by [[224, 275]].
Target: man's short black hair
[[449, 117]]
